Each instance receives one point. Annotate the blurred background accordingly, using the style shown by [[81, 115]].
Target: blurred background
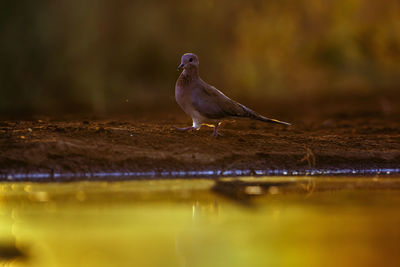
[[109, 56]]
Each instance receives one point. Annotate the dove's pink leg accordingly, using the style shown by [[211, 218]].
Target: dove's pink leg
[[215, 132], [191, 128]]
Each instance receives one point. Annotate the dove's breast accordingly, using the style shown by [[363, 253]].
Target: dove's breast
[[183, 92], [183, 98]]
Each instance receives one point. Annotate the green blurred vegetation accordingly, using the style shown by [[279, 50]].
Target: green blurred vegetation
[[102, 56]]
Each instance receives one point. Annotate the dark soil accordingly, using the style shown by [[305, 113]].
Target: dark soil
[[335, 133]]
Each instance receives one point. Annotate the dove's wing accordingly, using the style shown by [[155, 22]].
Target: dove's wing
[[212, 103]]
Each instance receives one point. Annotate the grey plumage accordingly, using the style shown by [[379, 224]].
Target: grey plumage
[[205, 103]]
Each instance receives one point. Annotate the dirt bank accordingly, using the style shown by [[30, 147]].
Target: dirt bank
[[339, 133]]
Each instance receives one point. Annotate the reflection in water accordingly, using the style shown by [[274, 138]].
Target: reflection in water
[[281, 221]]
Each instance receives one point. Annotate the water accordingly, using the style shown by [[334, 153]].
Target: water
[[263, 221], [193, 174]]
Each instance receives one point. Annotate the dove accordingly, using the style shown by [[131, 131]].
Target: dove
[[205, 104]]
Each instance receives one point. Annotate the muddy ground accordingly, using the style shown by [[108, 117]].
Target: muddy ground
[[342, 132]]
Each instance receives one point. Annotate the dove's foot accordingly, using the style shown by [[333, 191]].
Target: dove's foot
[[215, 132], [191, 128]]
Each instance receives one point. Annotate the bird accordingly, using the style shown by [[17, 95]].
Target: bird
[[205, 104]]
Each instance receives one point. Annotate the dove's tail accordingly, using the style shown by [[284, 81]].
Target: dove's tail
[[255, 116], [264, 119]]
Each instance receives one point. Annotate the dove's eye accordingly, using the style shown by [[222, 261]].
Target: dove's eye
[[191, 59]]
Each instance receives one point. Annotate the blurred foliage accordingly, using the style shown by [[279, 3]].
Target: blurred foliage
[[100, 55]]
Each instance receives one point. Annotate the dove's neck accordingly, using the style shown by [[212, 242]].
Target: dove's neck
[[191, 72], [188, 76]]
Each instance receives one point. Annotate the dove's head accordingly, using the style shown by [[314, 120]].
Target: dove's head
[[189, 61]]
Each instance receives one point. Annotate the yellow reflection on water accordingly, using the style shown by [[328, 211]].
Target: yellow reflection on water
[[231, 222]]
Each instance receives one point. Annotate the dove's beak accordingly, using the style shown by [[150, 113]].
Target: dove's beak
[[181, 66]]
